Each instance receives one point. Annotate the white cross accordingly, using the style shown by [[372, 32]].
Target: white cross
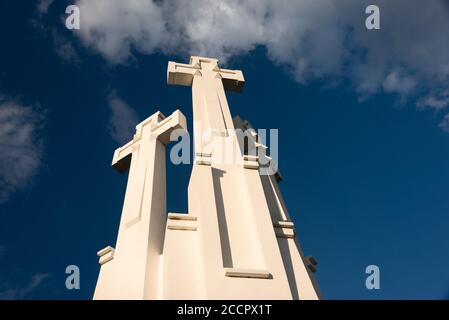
[[211, 112]]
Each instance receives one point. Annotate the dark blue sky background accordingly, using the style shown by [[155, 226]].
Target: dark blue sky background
[[366, 182]]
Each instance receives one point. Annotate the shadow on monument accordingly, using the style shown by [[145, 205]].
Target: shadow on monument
[[276, 214], [223, 227]]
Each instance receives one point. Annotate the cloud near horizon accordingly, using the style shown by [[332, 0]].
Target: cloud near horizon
[[313, 40]]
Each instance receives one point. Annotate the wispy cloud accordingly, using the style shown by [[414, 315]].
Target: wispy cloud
[[22, 291], [444, 124], [59, 37], [44, 5], [21, 145], [123, 119], [395, 82], [64, 48], [436, 101]]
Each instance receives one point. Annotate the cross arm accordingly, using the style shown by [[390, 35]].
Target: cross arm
[[181, 73], [164, 129], [122, 157], [232, 79], [160, 128]]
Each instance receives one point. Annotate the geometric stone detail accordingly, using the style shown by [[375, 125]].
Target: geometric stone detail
[[247, 273], [284, 229], [203, 159], [311, 263], [106, 254], [250, 162], [181, 221], [278, 176]]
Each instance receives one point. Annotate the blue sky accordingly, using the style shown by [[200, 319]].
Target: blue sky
[[363, 141]]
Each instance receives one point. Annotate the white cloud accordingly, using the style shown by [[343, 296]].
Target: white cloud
[[22, 291], [320, 39], [444, 124], [113, 27], [20, 146], [395, 82], [123, 119], [437, 101]]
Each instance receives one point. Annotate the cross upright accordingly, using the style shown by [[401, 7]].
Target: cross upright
[[211, 112]]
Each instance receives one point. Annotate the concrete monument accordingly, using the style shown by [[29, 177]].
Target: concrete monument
[[236, 241]]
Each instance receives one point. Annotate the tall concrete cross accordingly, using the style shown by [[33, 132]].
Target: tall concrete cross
[[210, 107], [141, 232]]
